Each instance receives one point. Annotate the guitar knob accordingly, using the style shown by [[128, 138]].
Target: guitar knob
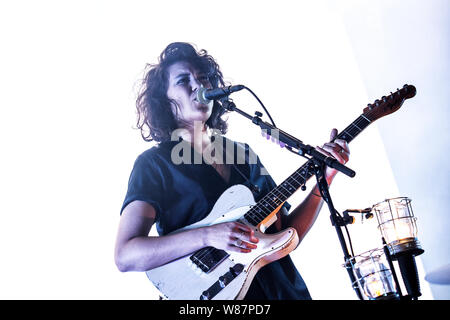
[[236, 270], [222, 281], [205, 295]]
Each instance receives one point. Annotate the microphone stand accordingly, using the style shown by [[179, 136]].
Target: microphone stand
[[337, 221], [290, 140], [318, 165]]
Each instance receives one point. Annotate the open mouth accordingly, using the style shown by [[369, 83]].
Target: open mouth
[[202, 107], [199, 104]]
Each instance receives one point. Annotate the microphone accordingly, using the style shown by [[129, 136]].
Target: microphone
[[206, 95]]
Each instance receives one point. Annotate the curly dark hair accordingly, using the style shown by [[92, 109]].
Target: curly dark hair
[[152, 103]]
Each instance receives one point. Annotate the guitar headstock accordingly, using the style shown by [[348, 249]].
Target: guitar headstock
[[389, 104]]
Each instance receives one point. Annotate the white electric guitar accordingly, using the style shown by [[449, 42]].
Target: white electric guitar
[[211, 273]]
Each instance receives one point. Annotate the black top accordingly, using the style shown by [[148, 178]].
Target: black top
[[185, 193]]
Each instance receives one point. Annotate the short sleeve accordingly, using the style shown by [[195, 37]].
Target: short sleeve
[[145, 184]]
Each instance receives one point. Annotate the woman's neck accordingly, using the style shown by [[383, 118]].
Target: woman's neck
[[198, 135]]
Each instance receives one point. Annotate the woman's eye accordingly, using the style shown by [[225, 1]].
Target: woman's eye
[[182, 80]]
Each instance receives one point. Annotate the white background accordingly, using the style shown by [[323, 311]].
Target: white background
[[68, 79]]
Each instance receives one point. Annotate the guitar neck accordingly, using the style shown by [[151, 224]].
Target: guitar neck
[[355, 128], [288, 187]]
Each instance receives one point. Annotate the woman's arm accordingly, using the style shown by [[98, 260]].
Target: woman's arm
[[136, 251]]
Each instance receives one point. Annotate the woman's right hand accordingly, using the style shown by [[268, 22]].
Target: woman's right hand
[[231, 236]]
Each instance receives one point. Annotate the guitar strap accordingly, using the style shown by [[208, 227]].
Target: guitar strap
[[254, 188]]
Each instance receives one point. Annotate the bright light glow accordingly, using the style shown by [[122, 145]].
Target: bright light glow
[[373, 275], [398, 230], [373, 287], [396, 220]]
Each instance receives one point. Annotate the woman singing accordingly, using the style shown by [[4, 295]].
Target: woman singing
[[173, 194]]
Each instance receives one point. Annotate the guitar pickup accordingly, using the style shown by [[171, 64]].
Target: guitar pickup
[[208, 258]]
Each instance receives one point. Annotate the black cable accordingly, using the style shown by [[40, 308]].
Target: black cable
[[270, 117], [349, 241], [260, 102]]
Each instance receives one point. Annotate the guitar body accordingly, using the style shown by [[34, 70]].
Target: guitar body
[[181, 279]]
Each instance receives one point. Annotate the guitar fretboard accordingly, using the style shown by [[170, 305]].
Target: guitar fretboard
[[288, 187]]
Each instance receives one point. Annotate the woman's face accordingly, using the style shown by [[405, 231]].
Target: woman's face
[[183, 83]]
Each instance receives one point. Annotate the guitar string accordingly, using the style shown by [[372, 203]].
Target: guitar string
[[201, 254], [264, 200], [267, 203]]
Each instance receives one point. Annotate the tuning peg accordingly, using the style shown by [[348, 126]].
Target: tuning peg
[[377, 102], [384, 98], [369, 106]]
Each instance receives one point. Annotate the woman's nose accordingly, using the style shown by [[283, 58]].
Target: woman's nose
[[195, 85]]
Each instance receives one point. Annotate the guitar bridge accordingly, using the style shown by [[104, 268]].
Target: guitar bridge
[[208, 258]]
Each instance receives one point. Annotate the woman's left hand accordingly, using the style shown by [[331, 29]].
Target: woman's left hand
[[338, 149]]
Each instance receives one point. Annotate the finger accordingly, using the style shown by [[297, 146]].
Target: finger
[[336, 152], [343, 144], [246, 232], [332, 147], [243, 243], [333, 134], [232, 247], [242, 246], [323, 151], [244, 239]]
